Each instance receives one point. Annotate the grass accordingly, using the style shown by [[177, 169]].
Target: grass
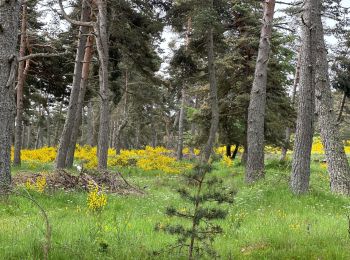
[[266, 221]]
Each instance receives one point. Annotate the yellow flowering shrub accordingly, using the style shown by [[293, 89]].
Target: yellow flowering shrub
[[39, 185], [96, 199], [226, 161]]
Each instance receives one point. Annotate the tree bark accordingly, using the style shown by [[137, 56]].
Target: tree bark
[[29, 135], [74, 96], [180, 140], [341, 109], [257, 105], [80, 105], [8, 42], [306, 105], [288, 130], [337, 163], [90, 124], [23, 68], [214, 124], [58, 126], [103, 49]]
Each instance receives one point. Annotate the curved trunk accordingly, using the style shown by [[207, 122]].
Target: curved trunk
[[257, 105]]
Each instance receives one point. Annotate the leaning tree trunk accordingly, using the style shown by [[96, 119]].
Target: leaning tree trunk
[[73, 102], [214, 124], [102, 49], [337, 162], [286, 145], [80, 105], [23, 68], [8, 42], [306, 105]]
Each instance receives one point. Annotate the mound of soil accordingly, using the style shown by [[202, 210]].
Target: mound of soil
[[61, 179]]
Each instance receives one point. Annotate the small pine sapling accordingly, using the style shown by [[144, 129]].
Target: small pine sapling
[[199, 195]]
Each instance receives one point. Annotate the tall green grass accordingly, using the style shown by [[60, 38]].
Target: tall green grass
[[266, 222]]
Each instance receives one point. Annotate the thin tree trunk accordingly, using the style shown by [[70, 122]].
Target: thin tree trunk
[[235, 151], [181, 125], [288, 130], [341, 109], [170, 141], [257, 105], [103, 48], [23, 67], [29, 135], [90, 124], [214, 124], [58, 126], [306, 105], [80, 105], [228, 150], [74, 96], [337, 163]]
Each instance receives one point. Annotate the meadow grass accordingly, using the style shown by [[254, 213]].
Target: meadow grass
[[265, 222]]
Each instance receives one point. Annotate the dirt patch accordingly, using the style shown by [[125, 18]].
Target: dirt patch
[[63, 180]]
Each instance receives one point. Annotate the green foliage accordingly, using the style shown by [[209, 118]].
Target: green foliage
[[199, 234]]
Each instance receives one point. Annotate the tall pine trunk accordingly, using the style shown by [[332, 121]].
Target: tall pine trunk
[[8, 42], [337, 162], [180, 140], [80, 105], [23, 67], [214, 124], [306, 105], [73, 102], [257, 105], [103, 49]]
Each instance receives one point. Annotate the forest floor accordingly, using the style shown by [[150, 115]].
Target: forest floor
[[265, 222]]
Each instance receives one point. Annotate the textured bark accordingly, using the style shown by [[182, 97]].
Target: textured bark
[[180, 140], [73, 102], [257, 105], [337, 163], [58, 125], [288, 130], [102, 48], [341, 109], [8, 41], [306, 105], [214, 123], [121, 125], [29, 135], [90, 125], [80, 105], [23, 68]]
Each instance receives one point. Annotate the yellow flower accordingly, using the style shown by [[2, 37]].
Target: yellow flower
[[96, 200]]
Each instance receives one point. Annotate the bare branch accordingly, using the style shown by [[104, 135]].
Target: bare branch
[[41, 55], [70, 20]]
